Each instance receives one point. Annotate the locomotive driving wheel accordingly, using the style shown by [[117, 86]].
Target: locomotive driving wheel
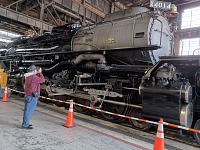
[[138, 124], [83, 102], [197, 127], [46, 89], [114, 108], [61, 98]]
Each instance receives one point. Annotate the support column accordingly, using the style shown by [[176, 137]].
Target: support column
[[42, 7]]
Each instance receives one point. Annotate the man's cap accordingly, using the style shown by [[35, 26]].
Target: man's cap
[[32, 68]]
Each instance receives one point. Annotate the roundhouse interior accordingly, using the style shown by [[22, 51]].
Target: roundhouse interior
[[139, 58]]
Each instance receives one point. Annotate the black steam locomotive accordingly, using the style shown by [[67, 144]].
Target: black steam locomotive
[[103, 66]]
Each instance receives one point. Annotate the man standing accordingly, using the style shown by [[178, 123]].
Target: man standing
[[32, 84]]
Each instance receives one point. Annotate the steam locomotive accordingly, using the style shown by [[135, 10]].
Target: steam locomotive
[[113, 65]]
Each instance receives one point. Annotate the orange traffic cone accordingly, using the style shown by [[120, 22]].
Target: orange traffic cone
[[5, 95], [70, 118], [159, 141]]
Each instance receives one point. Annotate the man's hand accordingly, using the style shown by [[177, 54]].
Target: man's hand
[[40, 70]]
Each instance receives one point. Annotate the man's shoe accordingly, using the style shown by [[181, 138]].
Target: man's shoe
[[30, 125], [27, 127]]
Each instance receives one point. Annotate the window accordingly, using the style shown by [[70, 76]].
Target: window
[[6, 37], [190, 18], [5, 40], [190, 46]]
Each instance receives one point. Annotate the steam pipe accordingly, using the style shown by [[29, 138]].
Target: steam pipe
[[64, 64], [29, 62], [59, 66], [36, 62], [36, 49], [130, 68]]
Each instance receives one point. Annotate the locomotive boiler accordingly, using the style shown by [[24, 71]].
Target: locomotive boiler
[[135, 36]]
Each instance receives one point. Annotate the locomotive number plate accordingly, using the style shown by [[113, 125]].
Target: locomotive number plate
[[160, 4]]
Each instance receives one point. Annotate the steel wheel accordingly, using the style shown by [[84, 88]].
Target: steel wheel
[[62, 98], [138, 124], [118, 109], [83, 102], [45, 90]]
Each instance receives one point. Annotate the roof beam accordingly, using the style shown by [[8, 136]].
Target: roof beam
[[14, 15]]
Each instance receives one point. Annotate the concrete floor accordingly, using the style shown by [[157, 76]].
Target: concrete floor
[[48, 133]]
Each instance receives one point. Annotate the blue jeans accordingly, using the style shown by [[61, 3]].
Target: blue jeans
[[30, 105]]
